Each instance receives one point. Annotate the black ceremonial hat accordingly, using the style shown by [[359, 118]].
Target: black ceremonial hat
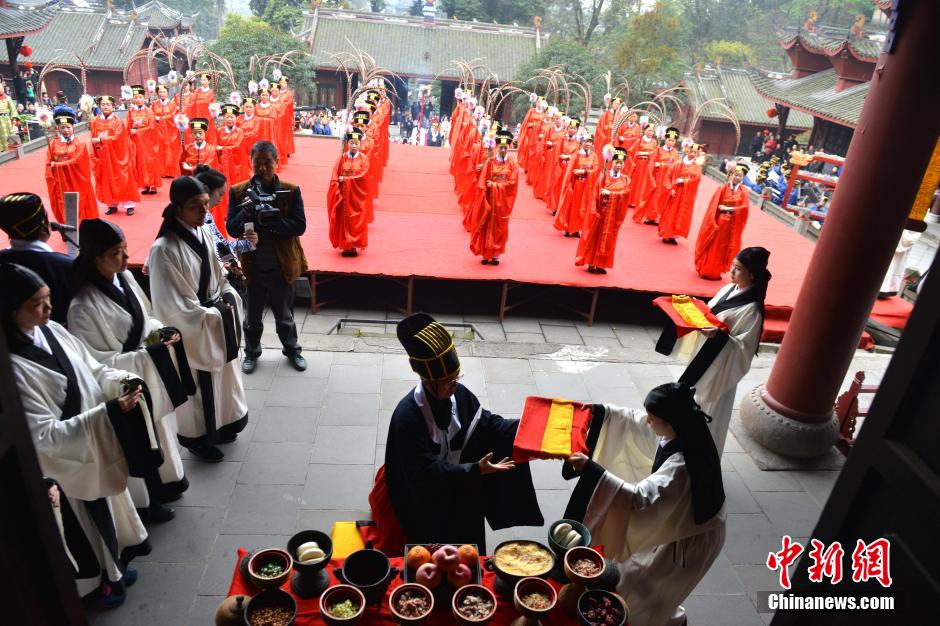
[[21, 215], [430, 347]]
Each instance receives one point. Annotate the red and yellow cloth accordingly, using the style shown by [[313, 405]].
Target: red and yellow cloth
[[688, 314], [551, 428]]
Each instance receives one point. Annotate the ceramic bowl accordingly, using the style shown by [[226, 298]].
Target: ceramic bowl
[[581, 553], [271, 598], [339, 593], [269, 555], [534, 585], [477, 590], [325, 543], [413, 588], [559, 549], [600, 595]]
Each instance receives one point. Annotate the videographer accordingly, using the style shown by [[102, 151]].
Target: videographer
[[274, 210]]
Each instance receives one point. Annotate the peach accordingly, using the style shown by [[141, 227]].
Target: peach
[[447, 558], [428, 575]]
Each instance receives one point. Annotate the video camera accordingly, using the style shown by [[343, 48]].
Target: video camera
[[260, 205]]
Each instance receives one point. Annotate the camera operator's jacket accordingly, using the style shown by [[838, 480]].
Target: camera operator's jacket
[[290, 255]]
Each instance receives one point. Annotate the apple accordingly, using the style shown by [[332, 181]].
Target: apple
[[447, 558], [428, 575], [459, 577]]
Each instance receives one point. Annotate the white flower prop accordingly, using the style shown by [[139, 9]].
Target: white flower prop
[[182, 122], [478, 112], [264, 84], [608, 152], [152, 86], [581, 134], [489, 141], [252, 87], [687, 142], [215, 109], [126, 92], [660, 132], [553, 111], [458, 93], [172, 77], [86, 103], [44, 117], [565, 120], [533, 97], [543, 104], [235, 98], [484, 126], [644, 120], [607, 98], [276, 74], [190, 74], [360, 104]]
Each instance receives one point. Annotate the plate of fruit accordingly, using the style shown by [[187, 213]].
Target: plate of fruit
[[442, 567]]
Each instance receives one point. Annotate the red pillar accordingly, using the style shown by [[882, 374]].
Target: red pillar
[[886, 161]]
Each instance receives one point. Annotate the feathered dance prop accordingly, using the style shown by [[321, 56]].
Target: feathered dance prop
[[86, 103], [533, 97], [182, 122], [44, 117], [235, 98], [215, 109], [264, 84], [152, 86], [276, 74], [252, 88], [608, 152], [126, 92], [172, 77]]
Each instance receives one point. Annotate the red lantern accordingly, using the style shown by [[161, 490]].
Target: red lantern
[[771, 112], [26, 51], [27, 65]]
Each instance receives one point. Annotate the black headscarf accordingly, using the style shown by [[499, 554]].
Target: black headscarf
[[181, 189], [95, 237], [19, 285], [675, 403], [755, 260]]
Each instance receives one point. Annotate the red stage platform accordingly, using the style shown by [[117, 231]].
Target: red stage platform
[[417, 232]]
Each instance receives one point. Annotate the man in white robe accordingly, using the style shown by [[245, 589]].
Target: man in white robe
[[653, 497], [190, 293]]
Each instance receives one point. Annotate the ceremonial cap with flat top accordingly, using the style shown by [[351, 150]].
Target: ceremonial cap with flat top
[[138, 90], [742, 167], [503, 138], [230, 108], [64, 115], [105, 98], [620, 154], [199, 123], [356, 134], [430, 347], [672, 133]]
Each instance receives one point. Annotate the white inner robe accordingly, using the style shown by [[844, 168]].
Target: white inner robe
[[638, 516], [174, 279]]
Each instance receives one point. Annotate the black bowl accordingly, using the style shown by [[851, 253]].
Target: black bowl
[[271, 598], [326, 544], [600, 595], [559, 549]]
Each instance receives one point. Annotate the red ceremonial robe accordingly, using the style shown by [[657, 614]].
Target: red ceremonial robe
[[679, 200], [568, 148], [147, 143], [169, 137], [113, 160], [666, 162], [537, 154], [719, 238], [267, 118], [252, 128], [492, 223], [643, 181], [287, 97], [577, 192], [528, 135], [457, 123], [546, 178], [68, 168], [280, 120], [602, 132], [628, 137], [349, 203], [602, 225], [233, 165], [201, 99], [472, 195], [193, 156]]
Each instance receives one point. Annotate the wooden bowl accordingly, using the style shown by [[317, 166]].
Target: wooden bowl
[[271, 598], [261, 558], [600, 595], [477, 590], [337, 594], [580, 553], [534, 585], [414, 588]]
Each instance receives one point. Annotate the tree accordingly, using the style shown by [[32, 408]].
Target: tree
[[245, 37], [416, 8], [377, 6], [282, 14], [574, 58], [730, 53], [648, 55], [500, 11]]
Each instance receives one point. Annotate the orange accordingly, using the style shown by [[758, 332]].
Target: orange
[[469, 555], [417, 557]]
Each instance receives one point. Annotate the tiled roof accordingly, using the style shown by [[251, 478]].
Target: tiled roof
[[20, 21], [739, 94], [406, 46], [863, 48], [158, 15], [816, 94], [102, 42]]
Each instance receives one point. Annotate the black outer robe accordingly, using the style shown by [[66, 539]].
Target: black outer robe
[[440, 502]]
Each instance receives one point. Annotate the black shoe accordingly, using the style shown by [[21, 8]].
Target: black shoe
[[566, 233], [130, 576], [345, 253], [228, 438], [209, 454], [353, 252], [494, 261], [111, 210], [591, 269], [249, 364], [576, 235], [130, 210], [297, 362], [158, 513], [651, 222], [485, 261], [601, 270]]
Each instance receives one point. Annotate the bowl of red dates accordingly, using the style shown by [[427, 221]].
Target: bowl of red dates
[[597, 607]]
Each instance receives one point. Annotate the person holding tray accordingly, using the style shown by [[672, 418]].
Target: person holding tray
[[447, 460]]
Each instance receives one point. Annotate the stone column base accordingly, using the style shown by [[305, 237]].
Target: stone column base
[[782, 434]]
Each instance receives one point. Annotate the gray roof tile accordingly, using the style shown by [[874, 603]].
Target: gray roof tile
[[735, 86], [816, 94], [20, 21]]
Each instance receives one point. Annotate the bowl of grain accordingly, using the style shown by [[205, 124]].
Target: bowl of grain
[[534, 598], [342, 605], [583, 565], [411, 603], [269, 568], [473, 605], [272, 607]]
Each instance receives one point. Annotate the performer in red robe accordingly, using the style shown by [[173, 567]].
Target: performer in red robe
[[499, 179], [567, 147], [577, 189], [468, 190], [360, 121], [551, 150], [348, 198], [68, 168], [537, 155], [605, 124], [599, 242], [676, 217], [285, 128], [251, 127], [113, 160], [164, 113], [232, 161], [643, 181], [287, 97], [200, 150], [629, 133], [529, 133], [142, 129], [202, 97], [267, 114], [667, 158], [719, 238]]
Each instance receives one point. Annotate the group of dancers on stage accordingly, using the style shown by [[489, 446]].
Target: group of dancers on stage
[[590, 182]]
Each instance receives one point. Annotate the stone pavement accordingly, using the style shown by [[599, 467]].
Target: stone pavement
[[315, 440]]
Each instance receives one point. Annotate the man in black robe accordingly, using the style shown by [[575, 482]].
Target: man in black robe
[[447, 460], [24, 220]]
